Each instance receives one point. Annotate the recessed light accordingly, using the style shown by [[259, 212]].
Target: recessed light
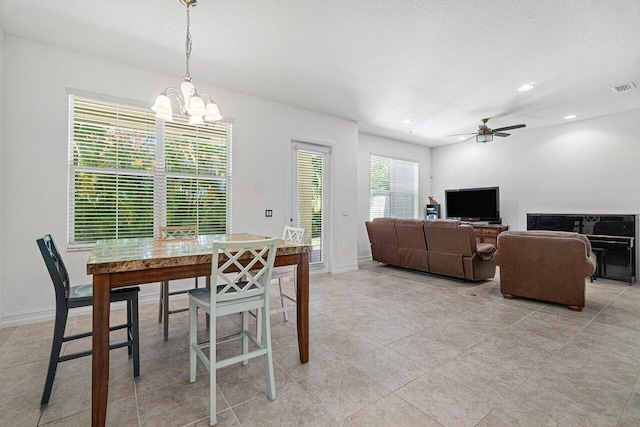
[[570, 116], [526, 87], [407, 121]]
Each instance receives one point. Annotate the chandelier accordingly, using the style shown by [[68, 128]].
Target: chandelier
[[192, 104]]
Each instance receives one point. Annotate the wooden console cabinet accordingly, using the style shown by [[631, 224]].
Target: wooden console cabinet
[[488, 233]]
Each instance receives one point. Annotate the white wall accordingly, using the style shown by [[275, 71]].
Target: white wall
[[2, 178], [588, 166], [35, 163], [370, 144]]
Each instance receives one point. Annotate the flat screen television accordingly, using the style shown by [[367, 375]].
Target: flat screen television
[[474, 204]]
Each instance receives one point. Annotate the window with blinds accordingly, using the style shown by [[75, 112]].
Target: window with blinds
[[393, 188], [129, 175], [310, 199]]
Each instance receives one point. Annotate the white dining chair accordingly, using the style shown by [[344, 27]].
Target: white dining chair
[[283, 274], [242, 273], [174, 233]]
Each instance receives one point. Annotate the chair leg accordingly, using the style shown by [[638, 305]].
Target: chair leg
[[135, 336], [129, 329], [208, 285], [160, 300], [193, 339], [165, 309], [259, 324], [245, 338], [266, 332], [58, 335], [212, 372], [286, 316]]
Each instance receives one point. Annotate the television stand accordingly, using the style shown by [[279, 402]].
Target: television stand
[[486, 233]]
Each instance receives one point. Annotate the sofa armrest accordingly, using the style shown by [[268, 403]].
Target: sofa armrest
[[485, 250]]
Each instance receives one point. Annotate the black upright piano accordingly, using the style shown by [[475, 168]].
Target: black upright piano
[[613, 239]]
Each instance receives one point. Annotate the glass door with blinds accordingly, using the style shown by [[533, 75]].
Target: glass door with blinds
[[310, 199]]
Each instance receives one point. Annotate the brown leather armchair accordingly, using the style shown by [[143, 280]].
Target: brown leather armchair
[[545, 265]]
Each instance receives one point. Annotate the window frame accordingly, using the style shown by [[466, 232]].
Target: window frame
[[160, 172]]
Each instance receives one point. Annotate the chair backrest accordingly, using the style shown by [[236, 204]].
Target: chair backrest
[[294, 234], [243, 268], [56, 268], [182, 232]]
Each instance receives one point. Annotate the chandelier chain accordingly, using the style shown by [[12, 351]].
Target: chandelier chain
[[187, 76]]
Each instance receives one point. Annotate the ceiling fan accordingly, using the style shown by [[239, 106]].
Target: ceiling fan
[[485, 134]]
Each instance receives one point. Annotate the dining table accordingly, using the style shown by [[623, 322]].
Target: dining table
[[136, 261]]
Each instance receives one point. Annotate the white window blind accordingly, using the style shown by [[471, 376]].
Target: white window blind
[[128, 175], [310, 200], [393, 188]]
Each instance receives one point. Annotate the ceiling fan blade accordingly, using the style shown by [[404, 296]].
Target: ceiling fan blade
[[510, 127], [461, 134], [501, 134]]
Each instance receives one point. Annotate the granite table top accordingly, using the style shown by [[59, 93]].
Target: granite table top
[[114, 256]]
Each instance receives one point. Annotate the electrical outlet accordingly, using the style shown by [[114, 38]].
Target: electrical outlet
[[268, 213]]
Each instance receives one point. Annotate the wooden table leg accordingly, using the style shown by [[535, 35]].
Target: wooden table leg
[[302, 298], [100, 349]]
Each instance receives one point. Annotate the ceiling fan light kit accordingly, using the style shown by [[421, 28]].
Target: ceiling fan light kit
[[484, 138], [192, 104], [485, 134]]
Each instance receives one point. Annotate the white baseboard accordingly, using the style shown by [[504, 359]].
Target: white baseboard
[[345, 269], [36, 316], [365, 258]]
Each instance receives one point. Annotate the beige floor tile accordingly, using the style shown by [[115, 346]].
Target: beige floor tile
[[631, 413], [120, 413], [343, 390], [456, 333], [225, 419], [178, 404], [388, 367], [602, 396], [530, 406], [620, 313], [5, 334], [557, 327], [578, 362], [72, 395], [385, 331], [18, 352], [446, 401], [241, 383], [292, 407], [485, 378], [289, 360], [353, 318], [345, 345], [516, 350], [390, 411], [423, 350], [15, 412], [539, 362]]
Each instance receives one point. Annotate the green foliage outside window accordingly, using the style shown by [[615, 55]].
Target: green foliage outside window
[[122, 190]]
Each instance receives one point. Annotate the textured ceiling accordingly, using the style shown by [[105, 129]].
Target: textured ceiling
[[445, 64]]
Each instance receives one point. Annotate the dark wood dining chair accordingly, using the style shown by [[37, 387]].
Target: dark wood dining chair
[[68, 297]]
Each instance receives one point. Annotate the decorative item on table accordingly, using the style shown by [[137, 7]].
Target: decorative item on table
[[432, 201]]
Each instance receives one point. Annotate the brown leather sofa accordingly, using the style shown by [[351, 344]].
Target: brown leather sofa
[[545, 265], [441, 247]]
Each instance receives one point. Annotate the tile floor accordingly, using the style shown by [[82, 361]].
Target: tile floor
[[388, 347]]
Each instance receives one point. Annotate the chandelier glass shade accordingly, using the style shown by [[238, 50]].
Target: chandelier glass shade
[[192, 104]]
